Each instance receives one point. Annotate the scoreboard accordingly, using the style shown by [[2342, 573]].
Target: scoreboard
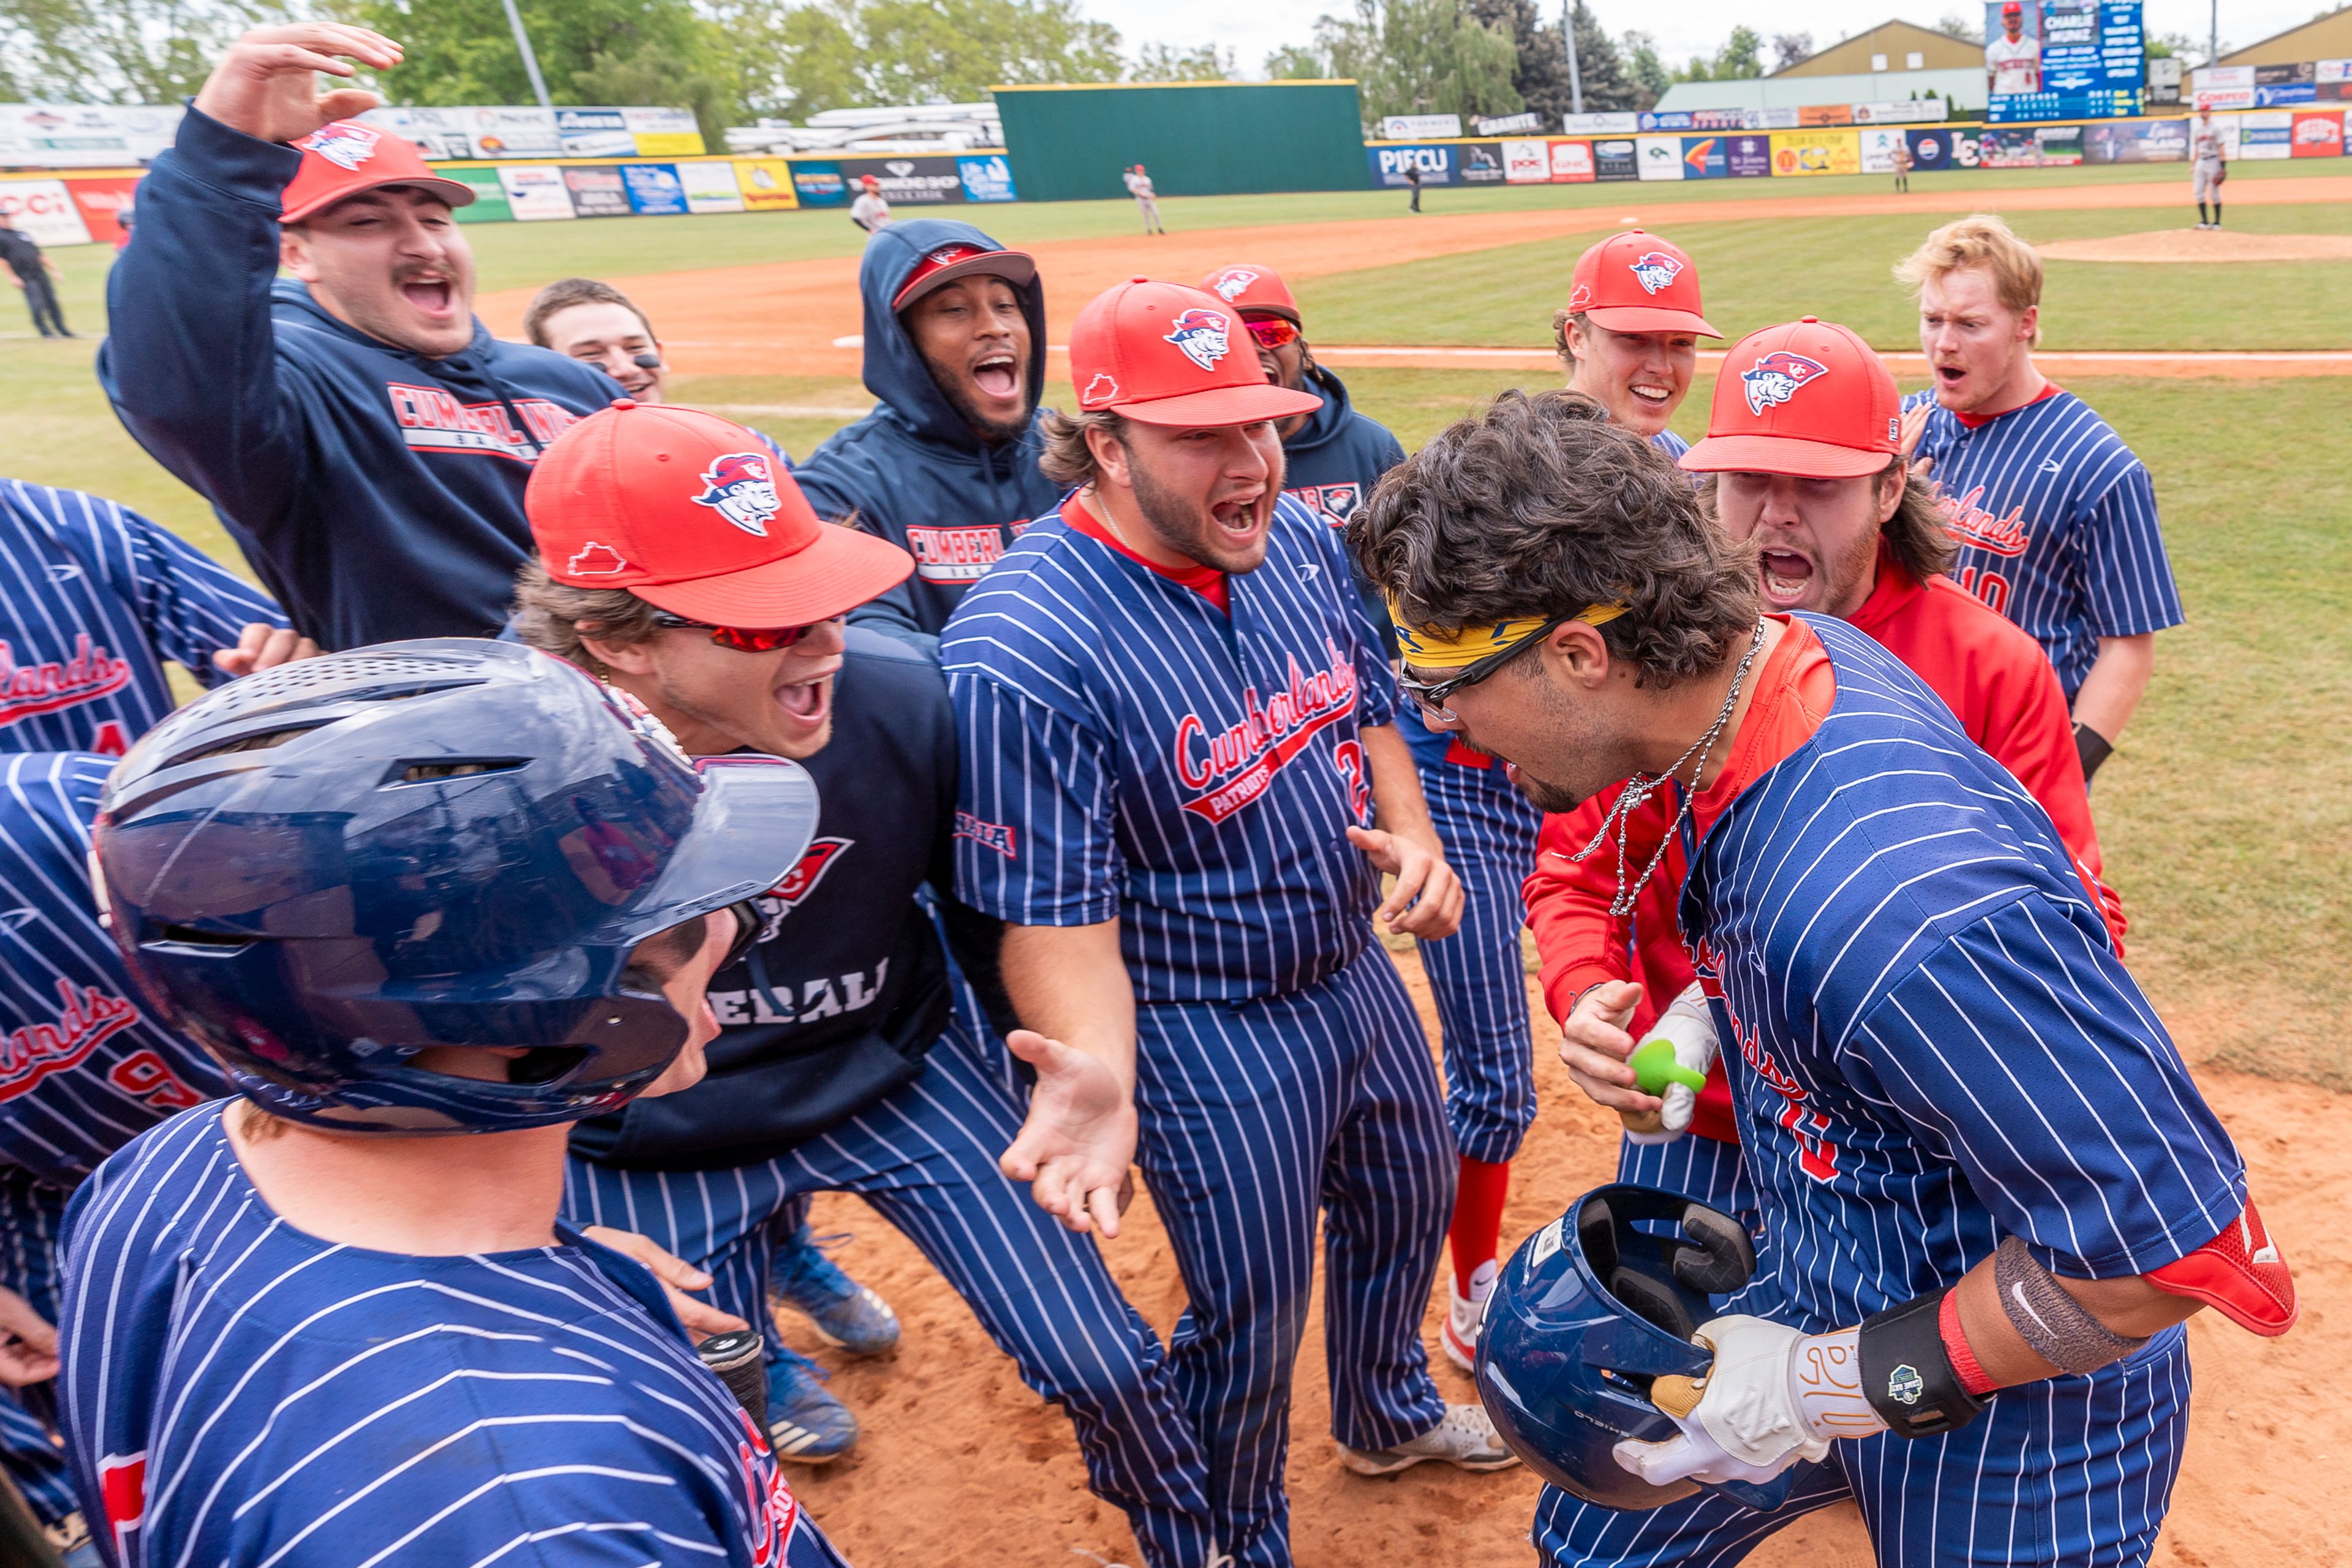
[[2093, 61]]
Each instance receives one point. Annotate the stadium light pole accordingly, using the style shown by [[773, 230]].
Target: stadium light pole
[[529, 60], [1576, 76]]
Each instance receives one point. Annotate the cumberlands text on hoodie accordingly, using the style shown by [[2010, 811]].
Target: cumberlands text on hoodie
[[912, 472], [377, 492]]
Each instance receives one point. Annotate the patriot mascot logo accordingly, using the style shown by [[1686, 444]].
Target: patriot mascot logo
[[1655, 269], [1203, 335], [1231, 281], [741, 488], [1777, 376], [345, 146]]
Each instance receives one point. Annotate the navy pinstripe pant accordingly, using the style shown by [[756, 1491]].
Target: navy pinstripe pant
[[31, 1216], [2078, 1470], [1478, 976], [925, 1157], [1254, 1116]]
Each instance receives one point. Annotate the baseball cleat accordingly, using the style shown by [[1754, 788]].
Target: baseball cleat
[[847, 1315], [806, 1424], [1465, 1439], [1458, 1335]]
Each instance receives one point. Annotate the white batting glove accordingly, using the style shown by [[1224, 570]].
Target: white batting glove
[[1689, 1027], [1774, 1397]]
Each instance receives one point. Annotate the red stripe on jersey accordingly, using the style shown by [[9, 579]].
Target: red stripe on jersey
[[1205, 581]]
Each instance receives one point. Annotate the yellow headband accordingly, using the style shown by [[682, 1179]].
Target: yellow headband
[[1433, 647]]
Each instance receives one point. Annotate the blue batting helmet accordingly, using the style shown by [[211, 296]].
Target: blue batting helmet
[[1591, 1309], [321, 869]]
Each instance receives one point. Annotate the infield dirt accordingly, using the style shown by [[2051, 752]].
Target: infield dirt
[[962, 1464]]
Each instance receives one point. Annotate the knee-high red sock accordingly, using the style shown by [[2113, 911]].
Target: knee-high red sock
[[1477, 1227]]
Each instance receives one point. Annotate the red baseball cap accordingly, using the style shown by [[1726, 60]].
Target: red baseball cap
[[1160, 353], [1808, 398], [1247, 286], [948, 262], [1636, 282], [699, 516], [348, 156]]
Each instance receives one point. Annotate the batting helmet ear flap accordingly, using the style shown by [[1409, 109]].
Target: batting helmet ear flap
[[1719, 1257]]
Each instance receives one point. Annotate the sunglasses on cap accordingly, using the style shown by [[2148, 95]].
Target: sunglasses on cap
[[1273, 332], [742, 639]]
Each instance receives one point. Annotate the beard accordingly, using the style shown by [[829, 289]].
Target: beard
[[952, 385], [1185, 526], [1544, 795]]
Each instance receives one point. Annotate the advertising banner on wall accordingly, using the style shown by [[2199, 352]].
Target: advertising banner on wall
[[663, 132], [43, 209], [1616, 160], [593, 133], [816, 184], [711, 187], [1571, 162], [2267, 133], [2319, 135], [1825, 114], [1659, 157], [1673, 120], [1907, 112], [917, 182], [767, 184], [1611, 124], [1705, 157], [1748, 157], [535, 192], [103, 202], [1878, 144], [1806, 153], [1526, 163], [2137, 142], [1390, 164], [440, 133], [1479, 162], [653, 189], [1421, 126], [83, 136], [512, 132], [596, 190], [489, 204], [987, 177]]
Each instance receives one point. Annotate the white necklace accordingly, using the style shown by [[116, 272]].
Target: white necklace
[[1641, 787]]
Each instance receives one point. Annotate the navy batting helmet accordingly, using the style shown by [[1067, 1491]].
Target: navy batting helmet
[[1589, 1311], [320, 870]]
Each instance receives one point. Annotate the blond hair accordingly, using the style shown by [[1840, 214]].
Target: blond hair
[[1979, 240]]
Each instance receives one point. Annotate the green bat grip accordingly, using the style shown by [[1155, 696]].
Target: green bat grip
[[1654, 1068]]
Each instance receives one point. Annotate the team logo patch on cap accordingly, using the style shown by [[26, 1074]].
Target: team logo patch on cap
[[741, 488], [1777, 376], [1231, 281], [1654, 269], [345, 146], [948, 253], [1205, 336], [1100, 390], [594, 560]]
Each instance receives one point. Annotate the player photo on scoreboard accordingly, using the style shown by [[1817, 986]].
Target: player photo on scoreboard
[[2013, 47]]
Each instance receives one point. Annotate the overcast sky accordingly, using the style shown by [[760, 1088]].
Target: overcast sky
[[1253, 29]]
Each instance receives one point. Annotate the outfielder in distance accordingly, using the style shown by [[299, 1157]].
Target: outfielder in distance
[[336, 1320], [1181, 781], [1982, 1165]]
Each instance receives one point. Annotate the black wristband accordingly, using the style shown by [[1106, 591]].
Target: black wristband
[[2092, 747], [1906, 1373]]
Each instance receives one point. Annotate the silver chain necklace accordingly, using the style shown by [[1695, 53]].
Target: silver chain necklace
[[1641, 787]]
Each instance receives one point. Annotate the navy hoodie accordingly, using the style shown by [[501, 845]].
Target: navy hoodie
[[377, 492], [912, 472], [1332, 463], [851, 990]]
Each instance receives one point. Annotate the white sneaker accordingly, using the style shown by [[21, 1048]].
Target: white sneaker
[[1465, 1439], [1458, 1335]]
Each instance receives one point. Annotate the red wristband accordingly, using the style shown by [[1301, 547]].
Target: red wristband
[[1956, 1345]]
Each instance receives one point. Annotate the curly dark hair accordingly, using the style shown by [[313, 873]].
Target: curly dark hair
[[1917, 535], [1539, 507]]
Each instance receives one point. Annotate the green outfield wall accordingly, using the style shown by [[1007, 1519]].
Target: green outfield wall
[[1194, 139]]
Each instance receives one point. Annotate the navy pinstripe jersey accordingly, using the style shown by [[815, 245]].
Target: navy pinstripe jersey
[[1672, 444], [236, 1391], [1129, 749], [93, 598], [2057, 525], [83, 1069], [1931, 1041]]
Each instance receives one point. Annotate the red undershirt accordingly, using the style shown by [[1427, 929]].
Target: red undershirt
[[1205, 581], [1978, 421]]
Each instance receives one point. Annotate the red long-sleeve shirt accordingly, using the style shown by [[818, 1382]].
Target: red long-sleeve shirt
[[1994, 677]]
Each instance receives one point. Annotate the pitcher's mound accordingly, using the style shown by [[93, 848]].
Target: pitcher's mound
[[2203, 245]]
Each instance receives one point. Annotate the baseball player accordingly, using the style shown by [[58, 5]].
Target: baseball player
[[1182, 782], [1991, 1189], [946, 467], [846, 1059], [1898, 154], [1147, 200], [1869, 548], [2208, 165], [93, 599], [589, 320], [2055, 516], [363, 439], [336, 1320], [869, 211], [32, 270], [1629, 337], [2015, 59]]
